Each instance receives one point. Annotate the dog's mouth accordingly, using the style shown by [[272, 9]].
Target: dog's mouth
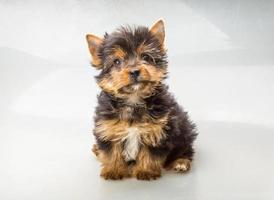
[[135, 86]]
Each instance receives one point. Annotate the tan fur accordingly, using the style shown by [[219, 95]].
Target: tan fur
[[144, 48], [121, 78], [95, 150], [147, 167], [96, 61], [111, 130], [151, 73], [150, 130], [113, 164], [141, 48], [93, 43], [125, 145], [180, 165], [119, 53], [158, 30]]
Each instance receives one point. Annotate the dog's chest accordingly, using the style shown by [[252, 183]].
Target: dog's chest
[[131, 144]]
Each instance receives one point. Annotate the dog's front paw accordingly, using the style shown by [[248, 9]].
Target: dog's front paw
[[147, 175], [111, 174]]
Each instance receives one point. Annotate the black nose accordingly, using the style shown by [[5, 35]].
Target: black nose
[[135, 73]]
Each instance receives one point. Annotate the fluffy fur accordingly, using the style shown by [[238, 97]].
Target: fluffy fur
[[139, 127]]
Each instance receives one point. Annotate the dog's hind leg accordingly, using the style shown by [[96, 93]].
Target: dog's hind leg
[[179, 160], [180, 165], [95, 150]]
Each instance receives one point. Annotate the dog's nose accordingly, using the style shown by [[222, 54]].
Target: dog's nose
[[135, 73]]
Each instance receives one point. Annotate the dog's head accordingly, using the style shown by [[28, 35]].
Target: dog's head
[[132, 61]]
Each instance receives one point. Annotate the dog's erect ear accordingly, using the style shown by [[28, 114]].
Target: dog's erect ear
[[158, 30], [94, 43]]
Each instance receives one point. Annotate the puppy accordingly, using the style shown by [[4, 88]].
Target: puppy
[[139, 127]]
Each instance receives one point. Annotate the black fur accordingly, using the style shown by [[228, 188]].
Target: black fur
[[180, 131], [129, 39]]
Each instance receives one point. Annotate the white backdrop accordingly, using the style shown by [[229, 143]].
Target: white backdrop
[[221, 71]]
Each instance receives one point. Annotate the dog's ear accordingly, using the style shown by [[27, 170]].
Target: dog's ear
[[94, 44], [158, 30]]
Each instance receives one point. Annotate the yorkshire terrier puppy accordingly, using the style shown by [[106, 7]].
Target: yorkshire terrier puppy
[[139, 127]]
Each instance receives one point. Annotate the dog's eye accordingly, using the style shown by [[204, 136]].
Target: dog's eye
[[117, 62], [147, 58]]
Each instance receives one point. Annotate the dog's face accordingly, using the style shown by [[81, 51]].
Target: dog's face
[[132, 61]]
